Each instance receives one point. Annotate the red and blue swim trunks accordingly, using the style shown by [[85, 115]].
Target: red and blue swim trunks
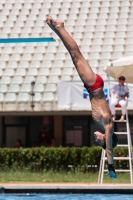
[[98, 83]]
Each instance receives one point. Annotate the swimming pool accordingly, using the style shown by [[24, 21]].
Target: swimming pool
[[66, 197]]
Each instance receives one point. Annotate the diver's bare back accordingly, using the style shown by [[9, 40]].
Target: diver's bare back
[[100, 110]]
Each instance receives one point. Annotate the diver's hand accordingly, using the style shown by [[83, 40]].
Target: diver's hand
[[111, 171], [100, 138]]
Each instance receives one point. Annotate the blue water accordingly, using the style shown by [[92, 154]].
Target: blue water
[[66, 197]]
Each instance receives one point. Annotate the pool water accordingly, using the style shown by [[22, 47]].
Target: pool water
[[66, 197]]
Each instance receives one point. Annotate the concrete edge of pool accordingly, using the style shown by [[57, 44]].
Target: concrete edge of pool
[[65, 188]]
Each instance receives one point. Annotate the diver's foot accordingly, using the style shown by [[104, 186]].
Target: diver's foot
[[54, 24]]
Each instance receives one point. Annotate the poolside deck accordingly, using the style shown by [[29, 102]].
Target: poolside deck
[[24, 187]]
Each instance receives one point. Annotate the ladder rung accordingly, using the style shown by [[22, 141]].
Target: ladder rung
[[119, 170], [120, 121], [122, 145], [122, 133], [119, 158]]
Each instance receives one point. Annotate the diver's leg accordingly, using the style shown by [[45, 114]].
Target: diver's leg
[[84, 70]]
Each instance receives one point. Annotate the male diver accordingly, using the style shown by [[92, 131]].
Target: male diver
[[94, 84]]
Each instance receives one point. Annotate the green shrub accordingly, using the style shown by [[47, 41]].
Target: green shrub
[[56, 159]]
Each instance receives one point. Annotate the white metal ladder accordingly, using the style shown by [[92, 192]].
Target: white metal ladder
[[130, 154]]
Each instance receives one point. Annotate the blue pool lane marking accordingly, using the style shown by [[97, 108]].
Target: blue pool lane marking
[[19, 40]]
